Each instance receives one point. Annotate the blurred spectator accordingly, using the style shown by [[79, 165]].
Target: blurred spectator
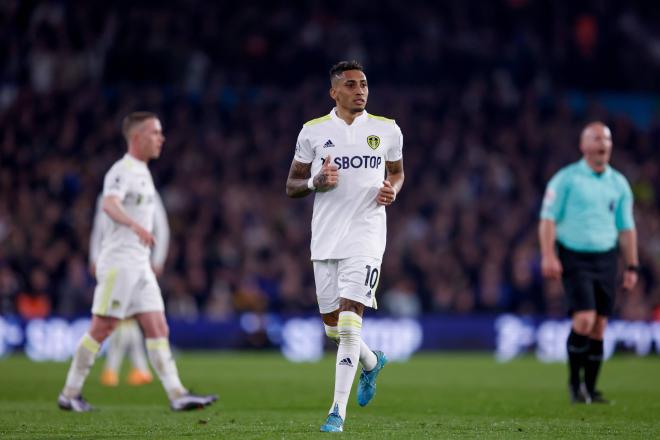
[[480, 91], [9, 288], [75, 293], [35, 302], [180, 304], [219, 306], [401, 300]]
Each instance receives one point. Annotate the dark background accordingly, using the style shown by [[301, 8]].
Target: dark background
[[491, 97]]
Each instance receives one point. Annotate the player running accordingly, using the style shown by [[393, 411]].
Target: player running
[[352, 162]]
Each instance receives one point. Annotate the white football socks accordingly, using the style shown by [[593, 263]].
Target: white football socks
[[163, 363], [136, 346], [367, 357], [127, 337], [349, 327], [83, 359], [116, 348]]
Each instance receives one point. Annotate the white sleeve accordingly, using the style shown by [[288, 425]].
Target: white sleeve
[[395, 151], [161, 234], [115, 182], [304, 151], [96, 237]]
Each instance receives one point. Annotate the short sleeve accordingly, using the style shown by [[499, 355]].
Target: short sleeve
[[395, 151], [304, 151], [115, 183], [554, 198], [624, 209]]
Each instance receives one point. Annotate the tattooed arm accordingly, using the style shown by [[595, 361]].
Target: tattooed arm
[[299, 174], [392, 183], [395, 174], [296, 183]]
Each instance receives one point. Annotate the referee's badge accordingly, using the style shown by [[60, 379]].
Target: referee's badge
[[373, 141]]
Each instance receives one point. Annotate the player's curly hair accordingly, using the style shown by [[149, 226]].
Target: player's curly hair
[[133, 119], [343, 66]]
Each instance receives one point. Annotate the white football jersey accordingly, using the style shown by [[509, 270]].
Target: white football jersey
[[103, 224], [130, 180], [347, 221]]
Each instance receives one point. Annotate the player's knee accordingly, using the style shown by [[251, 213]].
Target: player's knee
[[584, 324], [102, 328], [165, 330], [330, 319], [156, 331], [348, 305]]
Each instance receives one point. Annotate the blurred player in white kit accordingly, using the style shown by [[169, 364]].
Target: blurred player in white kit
[[126, 283], [127, 337]]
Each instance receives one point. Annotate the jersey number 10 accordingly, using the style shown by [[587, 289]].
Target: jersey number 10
[[372, 277]]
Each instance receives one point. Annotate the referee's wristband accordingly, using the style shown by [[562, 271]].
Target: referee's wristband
[[632, 268], [310, 184]]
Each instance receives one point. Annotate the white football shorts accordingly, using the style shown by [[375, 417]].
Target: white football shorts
[[354, 278], [124, 292]]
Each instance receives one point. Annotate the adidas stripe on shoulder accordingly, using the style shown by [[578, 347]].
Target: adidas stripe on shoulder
[[381, 118], [317, 121]]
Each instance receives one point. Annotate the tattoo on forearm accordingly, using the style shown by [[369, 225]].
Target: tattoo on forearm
[[320, 180], [296, 183], [300, 170], [394, 167], [395, 174]]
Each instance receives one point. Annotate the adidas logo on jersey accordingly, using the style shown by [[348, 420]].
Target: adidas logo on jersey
[[328, 144], [346, 361]]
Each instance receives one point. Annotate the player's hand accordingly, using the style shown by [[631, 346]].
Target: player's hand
[[551, 267], [92, 269], [386, 194], [146, 238], [629, 280], [327, 177]]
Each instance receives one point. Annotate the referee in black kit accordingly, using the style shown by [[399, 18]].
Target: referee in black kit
[[585, 219]]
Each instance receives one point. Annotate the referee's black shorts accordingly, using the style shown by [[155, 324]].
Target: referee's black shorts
[[589, 279]]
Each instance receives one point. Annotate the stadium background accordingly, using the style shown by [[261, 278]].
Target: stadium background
[[490, 97]]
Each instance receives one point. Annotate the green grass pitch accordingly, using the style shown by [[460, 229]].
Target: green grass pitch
[[262, 396]]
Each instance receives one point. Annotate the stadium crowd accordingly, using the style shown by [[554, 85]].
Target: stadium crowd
[[483, 104]]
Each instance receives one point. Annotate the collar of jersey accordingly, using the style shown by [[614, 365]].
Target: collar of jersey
[[134, 161], [587, 169], [340, 121]]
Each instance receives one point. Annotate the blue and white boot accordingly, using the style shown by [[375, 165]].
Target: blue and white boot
[[334, 422], [367, 384]]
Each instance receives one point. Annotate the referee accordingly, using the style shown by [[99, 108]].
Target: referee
[[585, 219]]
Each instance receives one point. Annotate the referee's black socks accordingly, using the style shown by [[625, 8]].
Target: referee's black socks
[[577, 347], [592, 364]]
